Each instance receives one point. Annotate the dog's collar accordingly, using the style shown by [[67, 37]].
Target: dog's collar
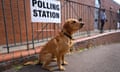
[[69, 36]]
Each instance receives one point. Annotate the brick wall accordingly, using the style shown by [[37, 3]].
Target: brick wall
[[107, 4], [13, 26], [103, 39], [16, 27], [110, 3]]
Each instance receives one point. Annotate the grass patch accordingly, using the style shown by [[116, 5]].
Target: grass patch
[[18, 67], [81, 49]]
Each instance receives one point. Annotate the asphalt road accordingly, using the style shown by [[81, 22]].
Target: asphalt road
[[101, 59]]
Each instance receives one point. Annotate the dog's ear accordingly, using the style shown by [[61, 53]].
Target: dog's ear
[[80, 19], [67, 27]]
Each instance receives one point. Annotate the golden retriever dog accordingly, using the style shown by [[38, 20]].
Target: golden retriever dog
[[59, 45]]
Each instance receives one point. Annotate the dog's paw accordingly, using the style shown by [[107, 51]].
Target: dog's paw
[[65, 63], [61, 68], [48, 68]]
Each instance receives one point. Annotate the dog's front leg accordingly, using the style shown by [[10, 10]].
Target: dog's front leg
[[59, 62], [63, 61]]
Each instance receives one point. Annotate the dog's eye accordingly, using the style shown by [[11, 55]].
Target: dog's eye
[[74, 21]]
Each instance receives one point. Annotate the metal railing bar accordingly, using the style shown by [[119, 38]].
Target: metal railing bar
[[80, 3], [32, 35], [5, 26], [12, 17], [19, 22], [24, 2], [88, 32], [35, 42], [37, 33]]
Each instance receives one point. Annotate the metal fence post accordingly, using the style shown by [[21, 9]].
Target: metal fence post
[[5, 27], [24, 2]]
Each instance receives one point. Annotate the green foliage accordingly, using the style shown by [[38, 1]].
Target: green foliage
[[18, 67]]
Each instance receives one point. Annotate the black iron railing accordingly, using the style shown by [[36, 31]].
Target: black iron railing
[[20, 31]]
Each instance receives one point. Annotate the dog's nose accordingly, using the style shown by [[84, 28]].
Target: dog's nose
[[82, 23]]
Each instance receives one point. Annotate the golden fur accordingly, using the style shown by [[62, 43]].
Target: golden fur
[[60, 44]]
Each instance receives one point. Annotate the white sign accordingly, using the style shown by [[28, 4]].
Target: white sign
[[45, 11]]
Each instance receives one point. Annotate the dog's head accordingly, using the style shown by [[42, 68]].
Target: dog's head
[[73, 25]]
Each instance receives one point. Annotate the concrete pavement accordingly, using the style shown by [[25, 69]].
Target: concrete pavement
[[101, 59]]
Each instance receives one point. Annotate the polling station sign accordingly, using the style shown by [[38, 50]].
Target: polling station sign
[[45, 11]]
